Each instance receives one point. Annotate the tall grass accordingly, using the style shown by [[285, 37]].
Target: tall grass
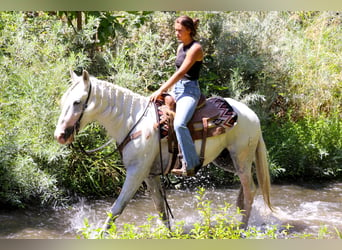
[[316, 76]]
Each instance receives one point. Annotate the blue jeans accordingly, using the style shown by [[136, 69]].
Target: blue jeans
[[187, 94]]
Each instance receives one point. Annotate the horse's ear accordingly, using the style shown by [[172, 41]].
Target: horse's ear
[[85, 76], [73, 76]]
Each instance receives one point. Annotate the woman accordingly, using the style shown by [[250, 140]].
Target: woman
[[186, 91]]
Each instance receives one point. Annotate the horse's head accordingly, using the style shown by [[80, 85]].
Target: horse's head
[[74, 102]]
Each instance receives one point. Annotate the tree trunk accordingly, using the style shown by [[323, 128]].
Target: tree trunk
[[79, 20]]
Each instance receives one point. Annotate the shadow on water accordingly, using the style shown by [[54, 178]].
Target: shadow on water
[[33, 223], [306, 208]]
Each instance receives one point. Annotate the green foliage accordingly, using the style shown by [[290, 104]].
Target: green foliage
[[97, 174], [36, 55], [316, 62], [214, 224], [306, 149], [33, 66], [145, 58]]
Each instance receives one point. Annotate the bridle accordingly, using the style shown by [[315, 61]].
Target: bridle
[[75, 129], [84, 107]]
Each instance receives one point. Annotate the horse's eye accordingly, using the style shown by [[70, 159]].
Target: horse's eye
[[77, 103]]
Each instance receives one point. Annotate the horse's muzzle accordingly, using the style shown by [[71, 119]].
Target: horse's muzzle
[[65, 137]]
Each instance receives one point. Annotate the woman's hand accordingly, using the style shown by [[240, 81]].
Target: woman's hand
[[155, 95]]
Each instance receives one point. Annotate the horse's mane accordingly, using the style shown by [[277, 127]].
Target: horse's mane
[[108, 85], [119, 88]]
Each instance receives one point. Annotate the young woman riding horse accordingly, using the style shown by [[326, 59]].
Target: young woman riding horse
[[186, 91]]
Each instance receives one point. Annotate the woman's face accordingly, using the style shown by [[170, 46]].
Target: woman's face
[[182, 33]]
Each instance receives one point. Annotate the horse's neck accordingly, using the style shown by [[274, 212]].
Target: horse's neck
[[117, 108]]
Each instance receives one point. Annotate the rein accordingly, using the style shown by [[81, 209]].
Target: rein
[[161, 163], [130, 137]]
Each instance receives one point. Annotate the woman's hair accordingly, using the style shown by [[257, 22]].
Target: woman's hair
[[189, 23]]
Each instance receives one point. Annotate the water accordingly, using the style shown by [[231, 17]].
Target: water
[[305, 208]]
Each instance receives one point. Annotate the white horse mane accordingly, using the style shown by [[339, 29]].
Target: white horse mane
[[108, 86], [127, 100]]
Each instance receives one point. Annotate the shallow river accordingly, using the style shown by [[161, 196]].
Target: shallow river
[[307, 209]]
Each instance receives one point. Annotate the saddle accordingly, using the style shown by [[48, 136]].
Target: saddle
[[212, 117]]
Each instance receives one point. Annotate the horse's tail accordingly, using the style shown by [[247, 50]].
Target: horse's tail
[[262, 171]]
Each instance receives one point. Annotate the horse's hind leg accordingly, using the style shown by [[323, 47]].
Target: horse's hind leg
[[157, 193], [246, 197], [247, 189], [230, 162]]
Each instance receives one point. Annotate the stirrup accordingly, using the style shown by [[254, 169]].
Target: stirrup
[[184, 172]]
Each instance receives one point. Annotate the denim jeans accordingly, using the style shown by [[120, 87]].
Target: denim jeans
[[187, 94]]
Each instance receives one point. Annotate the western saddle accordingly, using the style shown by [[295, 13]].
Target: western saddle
[[211, 118]]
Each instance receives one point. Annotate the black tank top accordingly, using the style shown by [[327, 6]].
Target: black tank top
[[193, 72]]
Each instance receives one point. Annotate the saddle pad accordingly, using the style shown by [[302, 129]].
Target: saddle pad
[[226, 116]]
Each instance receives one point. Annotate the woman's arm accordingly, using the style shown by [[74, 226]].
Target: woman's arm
[[195, 53]]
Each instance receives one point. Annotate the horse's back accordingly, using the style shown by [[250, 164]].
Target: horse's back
[[243, 111], [247, 130]]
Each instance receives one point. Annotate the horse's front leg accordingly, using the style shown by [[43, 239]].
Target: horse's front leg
[[134, 178], [158, 194]]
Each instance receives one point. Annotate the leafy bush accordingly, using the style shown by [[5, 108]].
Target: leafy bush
[[306, 149], [97, 174], [34, 66]]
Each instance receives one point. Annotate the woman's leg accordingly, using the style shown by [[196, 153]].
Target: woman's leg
[[185, 109]]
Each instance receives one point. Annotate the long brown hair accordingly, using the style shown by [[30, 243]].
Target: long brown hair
[[189, 23]]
